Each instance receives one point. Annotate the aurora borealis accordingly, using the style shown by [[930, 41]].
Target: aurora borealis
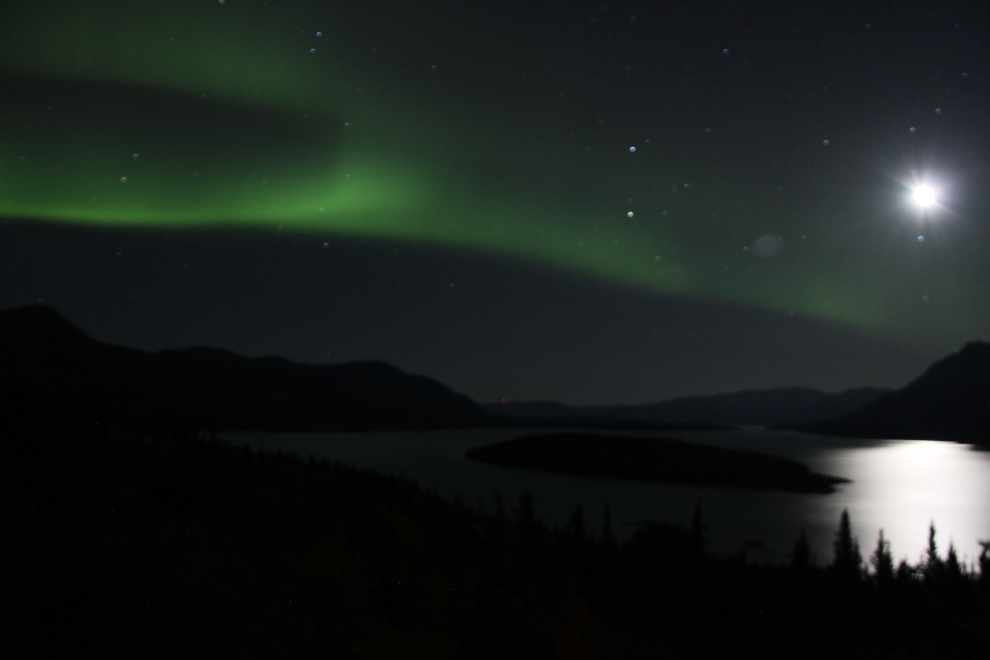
[[712, 154]]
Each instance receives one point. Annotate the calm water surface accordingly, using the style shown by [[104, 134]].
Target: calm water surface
[[898, 485]]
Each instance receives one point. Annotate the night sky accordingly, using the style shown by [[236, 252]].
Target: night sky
[[577, 201]]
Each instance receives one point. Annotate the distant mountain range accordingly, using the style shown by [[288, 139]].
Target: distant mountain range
[[949, 401], [43, 355], [780, 407]]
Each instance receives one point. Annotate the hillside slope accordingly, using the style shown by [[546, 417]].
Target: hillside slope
[[211, 389], [949, 401]]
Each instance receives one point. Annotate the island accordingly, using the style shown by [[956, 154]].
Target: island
[[655, 459]]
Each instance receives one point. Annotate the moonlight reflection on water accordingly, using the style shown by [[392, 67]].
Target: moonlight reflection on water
[[898, 485], [903, 485]]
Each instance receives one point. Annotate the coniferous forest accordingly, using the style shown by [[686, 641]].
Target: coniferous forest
[[124, 540]]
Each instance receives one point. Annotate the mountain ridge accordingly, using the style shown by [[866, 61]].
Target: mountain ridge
[[215, 389], [206, 388], [775, 407], [203, 388], [949, 401]]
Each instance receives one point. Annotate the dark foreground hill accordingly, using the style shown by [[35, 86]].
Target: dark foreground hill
[[204, 388], [785, 406], [950, 401], [121, 542], [653, 459]]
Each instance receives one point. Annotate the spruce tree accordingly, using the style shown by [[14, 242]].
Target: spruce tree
[[698, 529], [883, 562], [847, 558], [934, 568], [953, 569], [608, 538], [525, 511], [576, 524], [985, 564], [801, 554]]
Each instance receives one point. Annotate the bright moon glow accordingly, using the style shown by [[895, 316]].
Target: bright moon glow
[[923, 196]]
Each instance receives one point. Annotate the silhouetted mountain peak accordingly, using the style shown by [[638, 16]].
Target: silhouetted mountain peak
[[210, 388], [974, 357], [39, 323], [957, 373], [949, 401], [980, 347]]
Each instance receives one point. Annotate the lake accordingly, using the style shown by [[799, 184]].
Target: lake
[[898, 485]]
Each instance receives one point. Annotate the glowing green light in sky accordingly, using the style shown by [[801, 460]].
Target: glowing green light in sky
[[193, 114]]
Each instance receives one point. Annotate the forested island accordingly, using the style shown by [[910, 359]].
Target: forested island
[[653, 459]]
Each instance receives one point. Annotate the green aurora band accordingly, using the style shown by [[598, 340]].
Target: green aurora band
[[257, 130]]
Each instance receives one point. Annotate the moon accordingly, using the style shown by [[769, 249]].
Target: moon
[[924, 196]]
